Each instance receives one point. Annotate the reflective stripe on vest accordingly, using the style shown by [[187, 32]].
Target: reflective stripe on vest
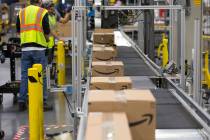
[[28, 27]]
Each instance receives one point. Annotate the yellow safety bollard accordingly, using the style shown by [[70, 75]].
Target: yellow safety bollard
[[35, 92], [40, 95], [61, 63]]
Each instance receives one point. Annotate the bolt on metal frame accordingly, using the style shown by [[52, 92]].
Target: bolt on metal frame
[[80, 109]]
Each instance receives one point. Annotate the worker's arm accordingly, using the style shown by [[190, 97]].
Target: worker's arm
[[53, 33], [65, 19], [46, 27], [18, 24]]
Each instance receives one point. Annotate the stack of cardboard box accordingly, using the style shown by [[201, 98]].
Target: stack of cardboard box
[[115, 111], [139, 106], [107, 73]]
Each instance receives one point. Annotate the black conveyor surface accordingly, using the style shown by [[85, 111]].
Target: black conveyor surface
[[170, 113], [134, 65]]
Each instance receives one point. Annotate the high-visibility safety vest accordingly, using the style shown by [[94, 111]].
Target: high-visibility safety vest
[[52, 22], [31, 30]]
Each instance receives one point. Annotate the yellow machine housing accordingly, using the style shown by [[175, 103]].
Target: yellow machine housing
[[206, 80], [162, 51]]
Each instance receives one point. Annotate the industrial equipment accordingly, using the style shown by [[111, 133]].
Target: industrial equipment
[[12, 51], [139, 64], [162, 51]]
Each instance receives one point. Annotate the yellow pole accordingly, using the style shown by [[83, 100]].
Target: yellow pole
[[40, 95], [35, 92], [61, 63]]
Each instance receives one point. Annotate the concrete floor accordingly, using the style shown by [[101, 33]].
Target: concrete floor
[[12, 120]]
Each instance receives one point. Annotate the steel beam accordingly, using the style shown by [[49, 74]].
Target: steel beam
[[141, 7], [197, 63], [182, 76]]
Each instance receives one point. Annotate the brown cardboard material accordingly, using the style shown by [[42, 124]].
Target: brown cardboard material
[[103, 36], [139, 105], [107, 68], [64, 30], [110, 83], [105, 45], [104, 53], [104, 126]]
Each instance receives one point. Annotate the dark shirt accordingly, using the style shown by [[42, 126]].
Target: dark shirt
[[9, 2], [45, 26]]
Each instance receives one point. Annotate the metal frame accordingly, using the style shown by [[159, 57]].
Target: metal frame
[[76, 62], [182, 79], [197, 63], [188, 103], [171, 33]]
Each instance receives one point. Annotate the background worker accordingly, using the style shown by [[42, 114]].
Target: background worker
[[53, 18], [33, 26], [4, 21], [63, 10]]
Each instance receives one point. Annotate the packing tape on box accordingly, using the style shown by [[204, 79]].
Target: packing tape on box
[[108, 127], [121, 96], [112, 79], [108, 63], [103, 48]]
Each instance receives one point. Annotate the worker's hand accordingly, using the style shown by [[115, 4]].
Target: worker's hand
[[47, 38]]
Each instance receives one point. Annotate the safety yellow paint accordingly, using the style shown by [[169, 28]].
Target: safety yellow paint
[[197, 2], [162, 51], [206, 73], [35, 92], [61, 63], [41, 114]]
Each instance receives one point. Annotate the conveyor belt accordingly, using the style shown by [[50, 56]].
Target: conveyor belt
[[170, 113], [134, 65]]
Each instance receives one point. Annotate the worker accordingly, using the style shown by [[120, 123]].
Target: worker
[[62, 10], [33, 26], [4, 10], [53, 18]]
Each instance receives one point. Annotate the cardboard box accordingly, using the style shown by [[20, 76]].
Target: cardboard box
[[107, 68], [104, 53], [139, 105], [107, 126], [104, 45], [110, 83], [103, 36], [64, 30]]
